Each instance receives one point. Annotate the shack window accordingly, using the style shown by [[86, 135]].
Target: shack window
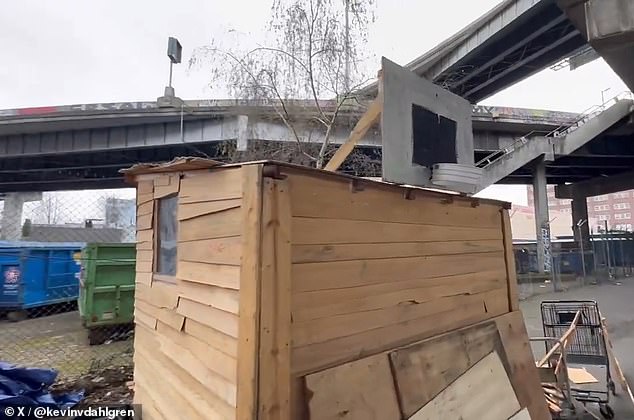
[[167, 227]]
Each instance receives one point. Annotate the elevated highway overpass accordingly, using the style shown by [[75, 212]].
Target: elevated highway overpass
[[84, 146]]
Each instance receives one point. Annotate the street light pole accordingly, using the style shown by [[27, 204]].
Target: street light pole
[[580, 223]]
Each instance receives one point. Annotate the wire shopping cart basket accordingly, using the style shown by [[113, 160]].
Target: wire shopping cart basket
[[588, 347]]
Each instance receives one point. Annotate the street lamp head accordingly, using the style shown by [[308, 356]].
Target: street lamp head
[[174, 50]]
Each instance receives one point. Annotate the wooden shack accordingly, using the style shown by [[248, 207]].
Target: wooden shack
[[270, 291]]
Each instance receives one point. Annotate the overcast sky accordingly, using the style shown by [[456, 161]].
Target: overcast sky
[[76, 51]]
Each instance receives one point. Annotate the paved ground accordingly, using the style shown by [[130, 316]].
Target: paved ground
[[58, 341], [616, 302]]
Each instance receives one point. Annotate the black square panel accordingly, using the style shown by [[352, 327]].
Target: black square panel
[[434, 138]]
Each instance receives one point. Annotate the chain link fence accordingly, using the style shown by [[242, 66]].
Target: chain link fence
[[608, 257], [67, 267]]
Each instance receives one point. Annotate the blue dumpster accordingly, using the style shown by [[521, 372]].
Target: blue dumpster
[[36, 274]]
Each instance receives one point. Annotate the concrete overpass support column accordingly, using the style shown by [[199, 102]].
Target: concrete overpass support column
[[11, 227], [581, 229], [542, 221]]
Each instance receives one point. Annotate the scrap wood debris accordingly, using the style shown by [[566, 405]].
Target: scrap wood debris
[[554, 397]]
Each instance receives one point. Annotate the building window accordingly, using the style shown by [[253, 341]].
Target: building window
[[621, 206], [625, 194], [167, 228], [600, 198], [603, 207], [604, 217]]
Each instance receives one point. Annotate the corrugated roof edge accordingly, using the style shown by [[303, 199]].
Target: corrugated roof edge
[[181, 164]]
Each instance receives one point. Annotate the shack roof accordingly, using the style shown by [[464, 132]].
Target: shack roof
[[184, 164]]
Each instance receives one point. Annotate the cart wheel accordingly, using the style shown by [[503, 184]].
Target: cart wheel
[[15, 316], [606, 411], [612, 387], [97, 336]]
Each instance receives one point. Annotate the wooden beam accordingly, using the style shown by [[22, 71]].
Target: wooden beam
[[563, 341], [368, 119], [275, 303], [248, 334], [509, 257]]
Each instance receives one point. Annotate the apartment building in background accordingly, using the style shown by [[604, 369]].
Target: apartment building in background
[[617, 209]]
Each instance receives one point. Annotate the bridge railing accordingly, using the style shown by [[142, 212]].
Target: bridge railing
[[560, 131]]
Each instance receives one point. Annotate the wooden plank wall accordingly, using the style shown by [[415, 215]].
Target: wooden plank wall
[[186, 340], [375, 267]]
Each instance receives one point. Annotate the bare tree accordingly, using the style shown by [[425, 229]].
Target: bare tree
[[49, 211], [306, 71]]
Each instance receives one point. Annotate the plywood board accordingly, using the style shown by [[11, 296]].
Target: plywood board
[[220, 275], [347, 274], [524, 376], [338, 231], [345, 252], [178, 344], [384, 203], [225, 251], [474, 309], [191, 210], [213, 338], [328, 303], [214, 225], [223, 321], [218, 297], [183, 385], [424, 369], [482, 392], [325, 329], [167, 316], [220, 184], [160, 294], [360, 390]]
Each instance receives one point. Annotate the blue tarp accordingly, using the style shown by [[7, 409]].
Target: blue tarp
[[29, 387]]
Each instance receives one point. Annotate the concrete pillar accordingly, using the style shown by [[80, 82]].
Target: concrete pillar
[[542, 220], [11, 227], [579, 206], [581, 229]]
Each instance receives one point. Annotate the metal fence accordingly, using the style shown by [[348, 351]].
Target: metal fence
[[608, 257], [67, 263]]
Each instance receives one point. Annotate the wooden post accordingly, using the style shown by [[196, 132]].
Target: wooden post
[[275, 319], [247, 386], [509, 257]]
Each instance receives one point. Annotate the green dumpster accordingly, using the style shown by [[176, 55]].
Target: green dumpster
[[106, 292]]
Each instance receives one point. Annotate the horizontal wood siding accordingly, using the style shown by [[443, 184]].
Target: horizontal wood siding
[[375, 267], [186, 345]]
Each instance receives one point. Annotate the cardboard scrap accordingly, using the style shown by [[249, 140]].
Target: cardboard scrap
[[581, 376]]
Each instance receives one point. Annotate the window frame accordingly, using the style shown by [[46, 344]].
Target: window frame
[[156, 275]]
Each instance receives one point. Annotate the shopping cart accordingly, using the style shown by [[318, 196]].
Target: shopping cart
[[587, 348]]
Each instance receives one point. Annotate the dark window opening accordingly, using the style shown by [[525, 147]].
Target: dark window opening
[[167, 227], [434, 138]]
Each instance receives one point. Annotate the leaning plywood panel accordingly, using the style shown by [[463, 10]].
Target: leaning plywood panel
[[483, 392], [360, 390], [423, 370], [524, 376]]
